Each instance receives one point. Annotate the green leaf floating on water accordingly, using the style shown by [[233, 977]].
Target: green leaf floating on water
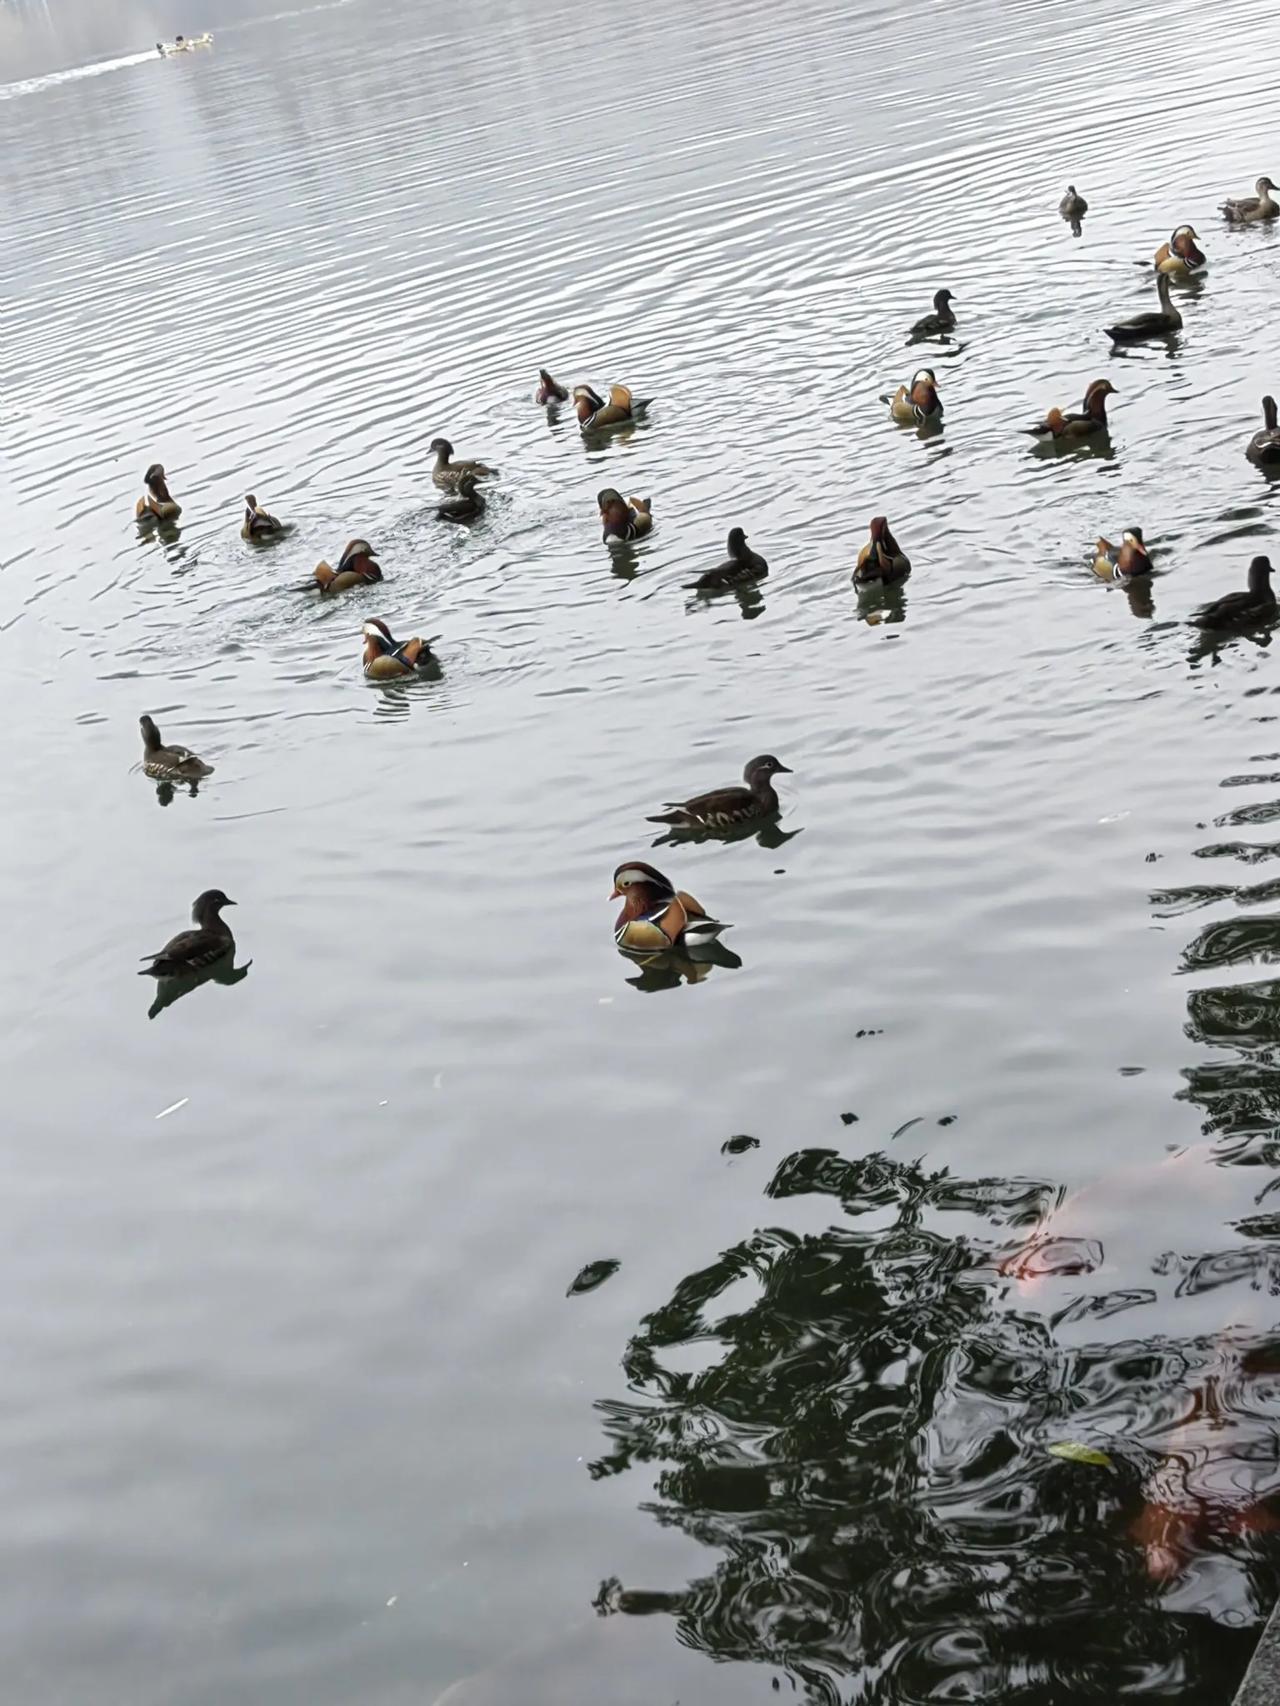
[[1074, 1452]]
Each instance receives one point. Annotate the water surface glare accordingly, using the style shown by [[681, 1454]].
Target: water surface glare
[[409, 1320]]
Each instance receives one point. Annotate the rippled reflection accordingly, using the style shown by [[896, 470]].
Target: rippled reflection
[[858, 1422]]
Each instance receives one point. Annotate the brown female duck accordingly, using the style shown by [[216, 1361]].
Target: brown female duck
[[549, 391], [1181, 257], [449, 475], [356, 567], [655, 914], [917, 404], [1058, 426], [881, 560], [593, 412], [740, 568], [1156, 324], [157, 505], [1264, 446], [169, 763], [724, 808], [465, 503], [941, 320], [1251, 208], [257, 523], [192, 950], [1256, 604], [386, 659], [1073, 205], [1122, 562], [623, 518]]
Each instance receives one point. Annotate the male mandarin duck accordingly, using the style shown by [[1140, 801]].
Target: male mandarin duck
[[157, 505], [593, 411], [1158, 323], [917, 404], [1180, 257], [740, 567], [257, 523], [386, 659], [1241, 609], [623, 518], [449, 475], [356, 567], [192, 950], [724, 808], [1073, 205], [549, 391], [1264, 446], [1122, 562], [655, 916], [941, 320], [881, 560], [1249, 209], [464, 503], [169, 763], [1059, 426]]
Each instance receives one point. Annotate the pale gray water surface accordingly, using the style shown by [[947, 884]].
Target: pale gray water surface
[[295, 1407]]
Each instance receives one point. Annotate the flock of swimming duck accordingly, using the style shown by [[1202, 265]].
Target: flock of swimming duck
[[656, 917]]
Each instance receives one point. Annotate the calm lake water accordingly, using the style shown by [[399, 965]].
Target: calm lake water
[[300, 1403]]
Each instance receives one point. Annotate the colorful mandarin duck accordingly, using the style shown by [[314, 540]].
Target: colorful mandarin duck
[[449, 475], [1255, 605], [740, 568], [157, 505], [623, 518], [192, 950], [386, 659], [1059, 426], [257, 523], [593, 412], [1180, 257], [655, 916], [881, 560], [548, 390], [917, 404], [169, 763], [356, 567], [725, 808], [1122, 562]]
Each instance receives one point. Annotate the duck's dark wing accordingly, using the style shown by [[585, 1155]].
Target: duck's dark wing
[[1234, 607], [189, 950], [1141, 326], [722, 806]]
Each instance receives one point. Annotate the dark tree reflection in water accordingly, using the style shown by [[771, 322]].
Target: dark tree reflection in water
[[861, 1422]]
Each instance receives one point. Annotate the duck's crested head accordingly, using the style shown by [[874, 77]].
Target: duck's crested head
[[1185, 231], [1133, 536], [1071, 189], [584, 394], [941, 298], [737, 541], [441, 447], [376, 629], [150, 733], [1264, 185], [763, 767], [636, 874], [606, 496], [924, 376], [250, 500], [1099, 388], [208, 905], [154, 475], [879, 528]]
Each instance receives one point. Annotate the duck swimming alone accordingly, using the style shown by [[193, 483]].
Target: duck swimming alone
[[169, 763], [724, 808], [1180, 257], [655, 915], [1058, 425], [157, 505], [1264, 446], [1124, 561], [1241, 609], [192, 950], [1251, 208], [741, 567], [941, 320], [449, 475], [593, 412], [385, 659], [1073, 205], [1156, 324], [356, 567], [548, 390], [917, 404], [257, 523], [623, 518], [881, 560]]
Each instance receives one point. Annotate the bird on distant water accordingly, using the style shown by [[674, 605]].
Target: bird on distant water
[[1122, 562], [385, 659], [465, 503], [741, 567], [1264, 446], [623, 518], [1060, 426], [169, 763], [1181, 256], [917, 404], [1073, 205], [449, 475], [549, 390], [1256, 604], [941, 320], [1158, 323], [725, 808], [158, 504], [193, 950], [593, 412], [881, 560], [257, 523], [1249, 209], [356, 567]]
